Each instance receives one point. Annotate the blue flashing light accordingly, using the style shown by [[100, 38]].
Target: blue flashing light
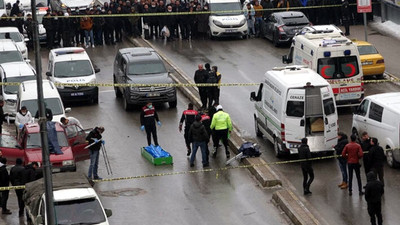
[[327, 54], [347, 52]]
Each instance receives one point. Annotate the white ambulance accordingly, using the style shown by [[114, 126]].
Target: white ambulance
[[334, 57], [293, 103]]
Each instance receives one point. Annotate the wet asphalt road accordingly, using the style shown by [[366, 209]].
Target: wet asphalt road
[[245, 61], [227, 197]]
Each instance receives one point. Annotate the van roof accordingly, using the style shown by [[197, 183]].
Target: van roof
[[8, 29], [8, 45], [388, 100], [296, 76], [30, 87], [68, 54], [16, 69], [74, 194]]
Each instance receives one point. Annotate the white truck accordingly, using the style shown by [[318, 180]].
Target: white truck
[[75, 201], [293, 103]]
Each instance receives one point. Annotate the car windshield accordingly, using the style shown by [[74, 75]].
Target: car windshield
[[338, 67], [54, 104], [143, 68], [82, 211], [11, 56], [13, 89], [367, 50], [233, 7], [34, 141], [76, 68], [295, 20], [15, 36], [1, 4]]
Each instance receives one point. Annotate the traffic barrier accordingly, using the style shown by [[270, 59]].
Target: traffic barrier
[[217, 170]]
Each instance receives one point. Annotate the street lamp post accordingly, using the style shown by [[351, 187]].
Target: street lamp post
[[42, 122]]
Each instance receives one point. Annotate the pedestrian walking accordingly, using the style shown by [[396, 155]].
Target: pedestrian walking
[[4, 182], [373, 195], [342, 141], [188, 116], [199, 137], [365, 143], [94, 139], [22, 117], [148, 119], [206, 121], [16, 180], [377, 159], [222, 126], [353, 153], [200, 77], [306, 166]]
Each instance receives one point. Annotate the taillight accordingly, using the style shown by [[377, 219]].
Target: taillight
[[280, 28], [362, 84], [380, 61], [283, 132]]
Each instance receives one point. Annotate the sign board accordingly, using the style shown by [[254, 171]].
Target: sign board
[[364, 6]]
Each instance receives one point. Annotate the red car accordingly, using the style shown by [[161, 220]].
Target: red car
[[27, 146]]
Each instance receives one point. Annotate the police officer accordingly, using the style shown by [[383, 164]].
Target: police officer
[[221, 122], [188, 116], [148, 117]]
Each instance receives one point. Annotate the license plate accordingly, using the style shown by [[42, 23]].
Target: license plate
[[348, 96], [77, 94], [153, 94], [230, 30], [56, 170]]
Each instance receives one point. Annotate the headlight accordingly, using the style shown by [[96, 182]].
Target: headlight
[[11, 102], [242, 22], [68, 163], [217, 23]]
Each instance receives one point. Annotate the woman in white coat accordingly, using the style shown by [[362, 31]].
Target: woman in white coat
[[23, 117]]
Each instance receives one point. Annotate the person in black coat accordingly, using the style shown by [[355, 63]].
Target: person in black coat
[[16, 180], [376, 158], [346, 17], [109, 29], [373, 195], [342, 141], [201, 76], [199, 137], [2, 116], [170, 22], [365, 143], [29, 174], [306, 166], [95, 142], [50, 29], [4, 182]]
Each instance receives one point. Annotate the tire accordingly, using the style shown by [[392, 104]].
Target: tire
[[380, 77], [278, 152], [354, 131], [118, 92], [390, 159], [275, 41], [173, 104], [258, 132], [127, 106]]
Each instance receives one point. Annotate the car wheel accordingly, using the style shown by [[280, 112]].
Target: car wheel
[[277, 150], [118, 92], [258, 132], [127, 106], [390, 159], [209, 35], [380, 77], [354, 131], [275, 41], [173, 104]]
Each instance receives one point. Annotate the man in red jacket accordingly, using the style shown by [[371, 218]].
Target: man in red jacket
[[353, 153]]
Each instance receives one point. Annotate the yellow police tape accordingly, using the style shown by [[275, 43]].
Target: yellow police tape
[[190, 13], [217, 170], [188, 84]]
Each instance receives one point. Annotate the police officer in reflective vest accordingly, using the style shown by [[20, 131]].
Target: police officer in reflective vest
[[222, 125], [188, 116], [148, 118]]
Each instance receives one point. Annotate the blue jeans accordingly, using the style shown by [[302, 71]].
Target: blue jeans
[[94, 163], [343, 168], [250, 27], [87, 33], [203, 149]]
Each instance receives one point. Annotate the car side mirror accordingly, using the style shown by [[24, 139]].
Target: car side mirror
[[67, 110], [285, 59], [28, 60], [96, 70], [48, 74], [108, 212], [26, 39], [39, 219], [253, 96], [302, 122]]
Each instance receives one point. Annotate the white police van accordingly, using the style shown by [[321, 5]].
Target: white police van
[[73, 65], [293, 103]]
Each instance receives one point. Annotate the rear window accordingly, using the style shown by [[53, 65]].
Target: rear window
[[329, 106], [295, 108], [338, 67], [143, 68], [34, 140], [11, 56], [13, 89], [13, 35], [52, 103], [77, 68], [367, 50], [295, 20]]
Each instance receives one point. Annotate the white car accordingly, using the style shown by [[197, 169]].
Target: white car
[[10, 52], [17, 37]]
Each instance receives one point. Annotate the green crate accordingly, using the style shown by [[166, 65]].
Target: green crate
[[156, 161]]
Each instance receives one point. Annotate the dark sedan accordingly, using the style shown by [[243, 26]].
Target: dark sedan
[[280, 27]]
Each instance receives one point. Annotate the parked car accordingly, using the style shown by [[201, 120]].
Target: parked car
[[280, 27], [27, 146], [17, 37], [10, 52], [372, 62]]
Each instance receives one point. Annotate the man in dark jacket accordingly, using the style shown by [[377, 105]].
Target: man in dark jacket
[[109, 23], [199, 136], [4, 182], [29, 174], [201, 76], [373, 196], [188, 116], [148, 118], [2, 116], [365, 143], [376, 158], [95, 142], [306, 166], [50, 29], [342, 141], [16, 180]]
